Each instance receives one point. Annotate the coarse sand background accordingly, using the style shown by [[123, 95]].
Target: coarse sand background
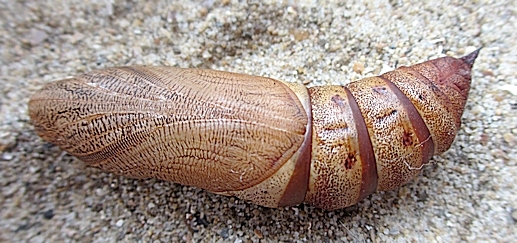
[[468, 194]]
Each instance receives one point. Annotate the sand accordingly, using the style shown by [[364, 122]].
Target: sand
[[467, 194]]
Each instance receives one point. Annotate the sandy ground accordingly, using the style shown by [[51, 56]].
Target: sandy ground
[[467, 195]]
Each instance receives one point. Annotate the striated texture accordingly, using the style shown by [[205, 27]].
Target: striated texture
[[214, 130]]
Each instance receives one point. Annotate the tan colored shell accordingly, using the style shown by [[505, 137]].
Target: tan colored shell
[[208, 129], [263, 140]]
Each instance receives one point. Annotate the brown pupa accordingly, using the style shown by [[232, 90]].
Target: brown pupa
[[270, 142]]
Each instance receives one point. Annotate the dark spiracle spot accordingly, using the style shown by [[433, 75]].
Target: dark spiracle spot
[[350, 161], [407, 139], [380, 90], [338, 100], [387, 114]]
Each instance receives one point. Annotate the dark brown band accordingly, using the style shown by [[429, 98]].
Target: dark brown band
[[366, 153], [296, 190], [418, 124]]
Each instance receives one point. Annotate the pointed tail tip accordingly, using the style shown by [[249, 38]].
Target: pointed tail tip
[[470, 58]]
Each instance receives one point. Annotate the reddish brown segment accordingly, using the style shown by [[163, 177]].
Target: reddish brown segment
[[215, 130], [297, 188], [343, 166], [366, 153], [418, 124], [397, 152], [438, 89]]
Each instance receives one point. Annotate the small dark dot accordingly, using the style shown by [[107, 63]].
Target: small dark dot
[[49, 214]]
